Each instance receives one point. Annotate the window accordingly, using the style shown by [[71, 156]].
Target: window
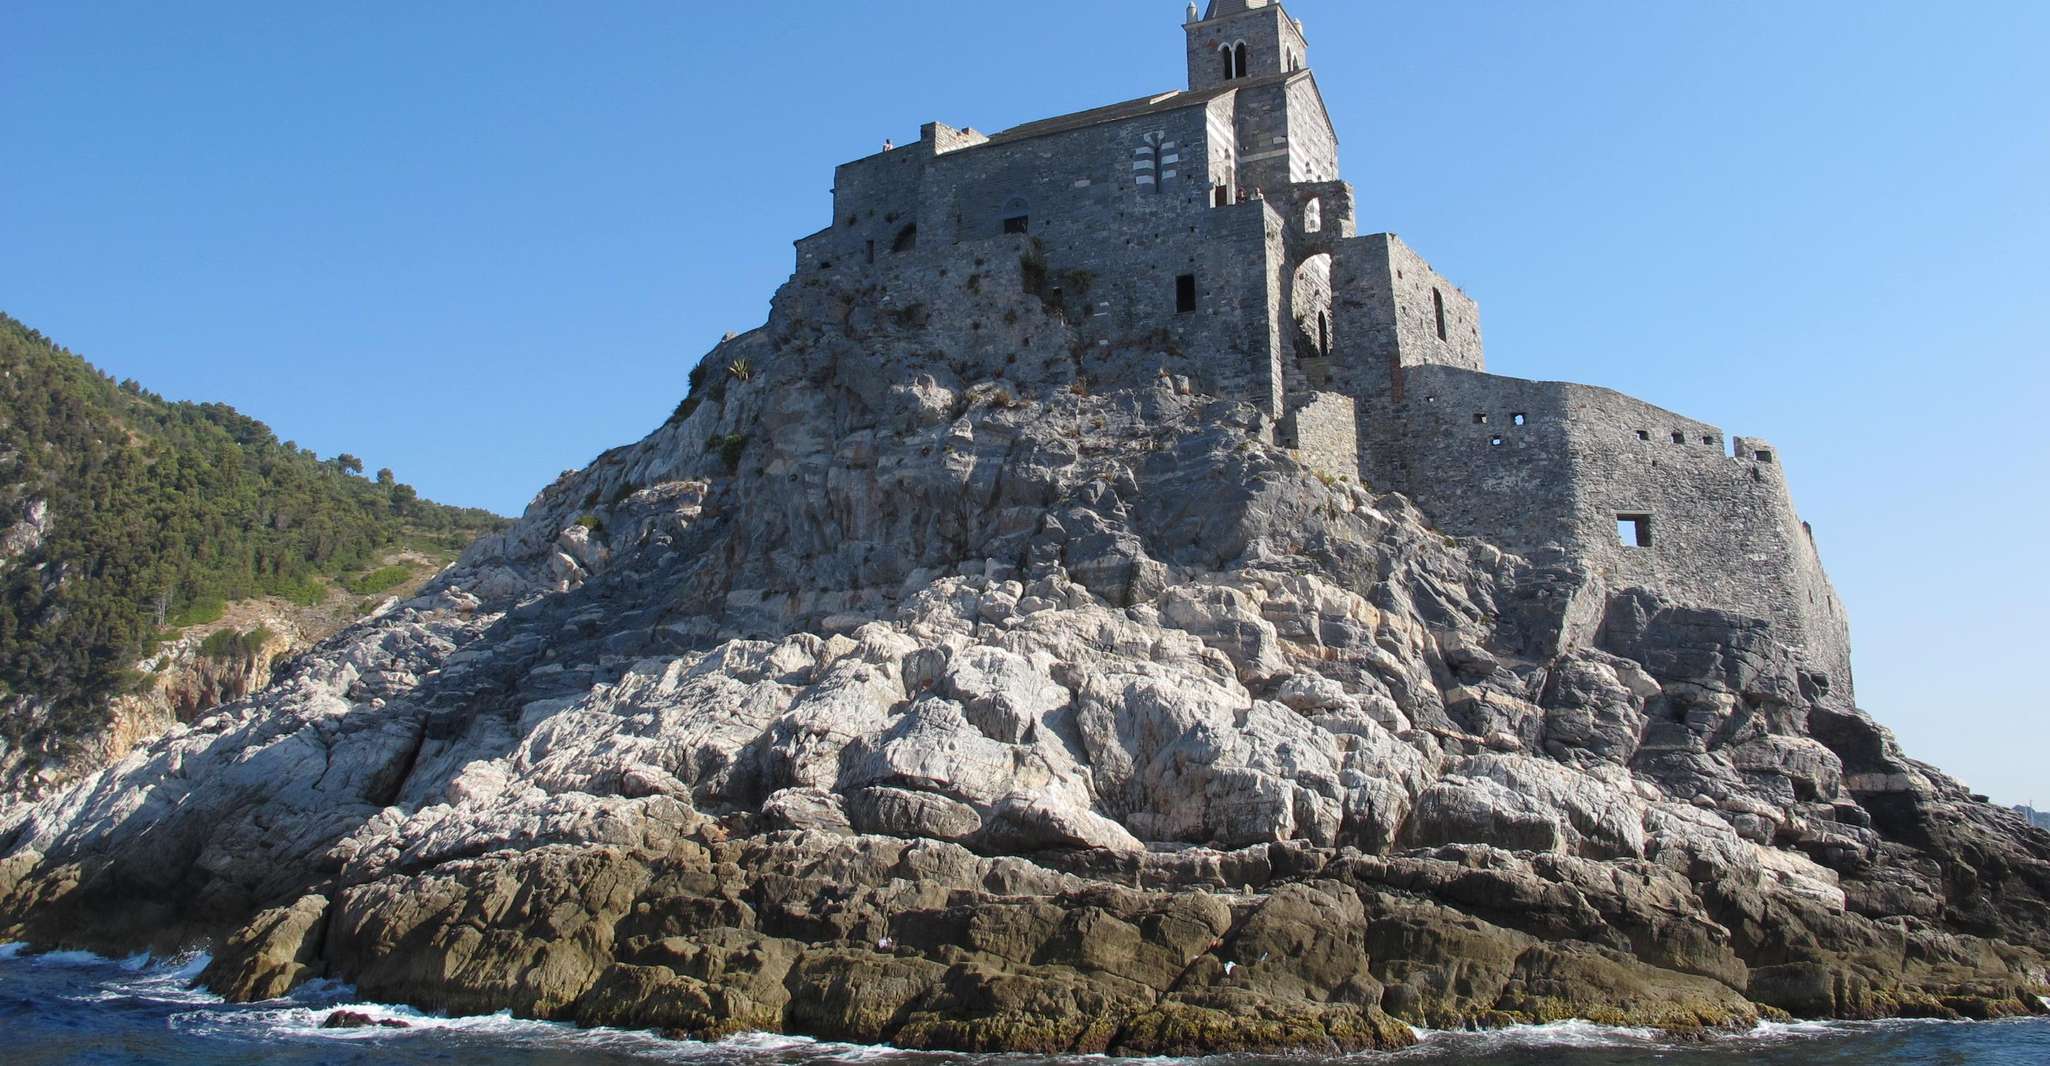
[[1643, 434], [1519, 418], [1495, 441], [1679, 438], [1480, 418], [907, 239], [1438, 306], [1185, 294], [1634, 530], [1225, 52], [1323, 334], [871, 251], [1221, 195], [1313, 216], [1238, 60], [1710, 441], [1017, 224], [1763, 457]]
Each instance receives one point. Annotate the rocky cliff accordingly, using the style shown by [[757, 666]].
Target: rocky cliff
[[932, 679]]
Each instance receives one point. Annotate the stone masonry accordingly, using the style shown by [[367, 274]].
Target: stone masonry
[[1210, 223]]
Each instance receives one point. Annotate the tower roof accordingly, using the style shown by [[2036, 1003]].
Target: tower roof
[[1221, 8]]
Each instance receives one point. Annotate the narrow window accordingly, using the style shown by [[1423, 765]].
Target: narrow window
[[1225, 51], [1323, 334], [1519, 418], [1313, 216], [871, 251], [1480, 418], [1220, 196], [1017, 224], [1634, 530], [1185, 294], [1238, 60], [1438, 306], [1679, 438], [907, 239], [1710, 441], [1643, 434]]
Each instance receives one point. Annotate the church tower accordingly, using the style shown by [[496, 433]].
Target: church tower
[[1238, 40]]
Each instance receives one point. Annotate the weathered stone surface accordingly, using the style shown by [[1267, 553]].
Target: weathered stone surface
[[957, 714]]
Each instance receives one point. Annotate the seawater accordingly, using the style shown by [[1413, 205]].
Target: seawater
[[74, 1008]]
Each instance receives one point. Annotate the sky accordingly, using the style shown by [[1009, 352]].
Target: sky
[[481, 242]]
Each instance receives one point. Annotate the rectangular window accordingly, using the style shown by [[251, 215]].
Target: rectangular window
[[1634, 530], [1480, 419], [1763, 457], [1438, 305], [1185, 294], [1519, 418], [1679, 438], [1017, 224]]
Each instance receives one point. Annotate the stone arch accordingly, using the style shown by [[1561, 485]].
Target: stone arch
[[1313, 215], [1309, 300]]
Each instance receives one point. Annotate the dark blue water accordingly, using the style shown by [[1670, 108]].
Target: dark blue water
[[72, 1008]]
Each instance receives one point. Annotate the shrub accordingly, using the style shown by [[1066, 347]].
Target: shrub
[[591, 522], [231, 644], [378, 580], [729, 448]]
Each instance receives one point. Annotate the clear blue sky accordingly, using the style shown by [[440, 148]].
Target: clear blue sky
[[481, 242]]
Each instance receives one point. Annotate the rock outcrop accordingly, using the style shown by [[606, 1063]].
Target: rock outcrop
[[930, 680]]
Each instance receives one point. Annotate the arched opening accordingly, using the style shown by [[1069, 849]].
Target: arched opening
[[1313, 215], [1224, 52], [1238, 59], [1309, 299], [907, 239]]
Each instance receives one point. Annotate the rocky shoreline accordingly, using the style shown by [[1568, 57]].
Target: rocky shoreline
[[926, 685]]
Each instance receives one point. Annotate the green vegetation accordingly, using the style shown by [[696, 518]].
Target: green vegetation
[[729, 448], [230, 644], [379, 580], [162, 513]]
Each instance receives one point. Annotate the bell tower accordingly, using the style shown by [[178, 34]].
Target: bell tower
[[1241, 40]]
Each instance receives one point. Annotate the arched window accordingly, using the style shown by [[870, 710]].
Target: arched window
[[1238, 60], [1313, 216], [1323, 334], [1225, 52], [907, 239]]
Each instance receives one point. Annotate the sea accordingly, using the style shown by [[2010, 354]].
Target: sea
[[70, 1007]]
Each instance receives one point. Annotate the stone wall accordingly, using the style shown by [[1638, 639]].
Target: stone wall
[[1323, 432], [1532, 464]]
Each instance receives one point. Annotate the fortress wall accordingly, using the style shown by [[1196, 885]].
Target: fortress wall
[[1323, 429], [1723, 530], [1385, 316]]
